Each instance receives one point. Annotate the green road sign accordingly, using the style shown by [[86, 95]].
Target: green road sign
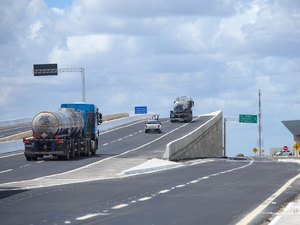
[[247, 118]]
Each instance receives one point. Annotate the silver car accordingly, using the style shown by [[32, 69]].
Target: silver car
[[153, 125]]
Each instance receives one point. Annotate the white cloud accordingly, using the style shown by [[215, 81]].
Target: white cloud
[[78, 47], [149, 52]]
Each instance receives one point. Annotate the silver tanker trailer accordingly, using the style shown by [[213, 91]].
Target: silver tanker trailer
[[182, 110], [70, 131]]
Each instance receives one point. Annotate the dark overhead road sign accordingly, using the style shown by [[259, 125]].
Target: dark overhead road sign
[[45, 69]]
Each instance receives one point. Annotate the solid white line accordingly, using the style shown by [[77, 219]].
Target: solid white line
[[5, 171], [248, 218], [6, 156]]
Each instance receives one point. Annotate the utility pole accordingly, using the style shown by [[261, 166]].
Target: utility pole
[[259, 123], [224, 139]]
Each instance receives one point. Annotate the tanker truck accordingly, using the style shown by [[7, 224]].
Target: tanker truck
[[71, 131], [182, 110]]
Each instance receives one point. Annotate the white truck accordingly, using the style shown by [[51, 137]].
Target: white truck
[[182, 110]]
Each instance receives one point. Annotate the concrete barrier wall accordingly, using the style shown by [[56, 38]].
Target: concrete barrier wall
[[14, 122], [114, 116], [205, 141]]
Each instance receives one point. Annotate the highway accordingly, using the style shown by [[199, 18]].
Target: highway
[[204, 191]]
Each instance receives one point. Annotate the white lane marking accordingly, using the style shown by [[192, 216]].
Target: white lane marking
[[40, 161], [24, 166], [88, 216], [164, 191], [157, 194], [248, 218], [105, 144], [194, 181], [5, 171], [6, 156], [144, 199], [120, 139], [119, 206]]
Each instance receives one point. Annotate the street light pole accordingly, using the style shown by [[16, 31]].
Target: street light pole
[[225, 119], [259, 124], [83, 84]]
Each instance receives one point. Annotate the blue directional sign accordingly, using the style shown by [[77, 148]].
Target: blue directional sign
[[140, 109]]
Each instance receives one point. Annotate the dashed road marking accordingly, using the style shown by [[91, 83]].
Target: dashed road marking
[[91, 215], [144, 199], [119, 206], [164, 191], [5, 171]]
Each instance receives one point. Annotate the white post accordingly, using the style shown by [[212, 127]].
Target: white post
[[83, 84]]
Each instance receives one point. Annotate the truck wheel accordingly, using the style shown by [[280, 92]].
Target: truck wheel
[[28, 158], [88, 148], [68, 155], [34, 158], [72, 149]]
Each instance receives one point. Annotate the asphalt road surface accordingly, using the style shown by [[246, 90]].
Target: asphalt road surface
[[205, 191]]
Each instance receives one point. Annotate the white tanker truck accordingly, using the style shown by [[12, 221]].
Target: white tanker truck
[[182, 110], [70, 131]]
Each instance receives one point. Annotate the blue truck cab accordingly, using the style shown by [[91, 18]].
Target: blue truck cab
[[91, 117]]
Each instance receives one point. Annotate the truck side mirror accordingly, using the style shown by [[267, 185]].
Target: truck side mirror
[[99, 117]]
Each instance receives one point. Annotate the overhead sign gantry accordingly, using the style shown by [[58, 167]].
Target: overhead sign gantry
[[52, 69]]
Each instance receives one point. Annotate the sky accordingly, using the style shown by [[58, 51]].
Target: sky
[[147, 53]]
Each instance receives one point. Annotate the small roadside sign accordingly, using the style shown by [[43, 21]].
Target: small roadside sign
[[243, 118], [140, 109], [296, 146], [285, 148], [254, 150]]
